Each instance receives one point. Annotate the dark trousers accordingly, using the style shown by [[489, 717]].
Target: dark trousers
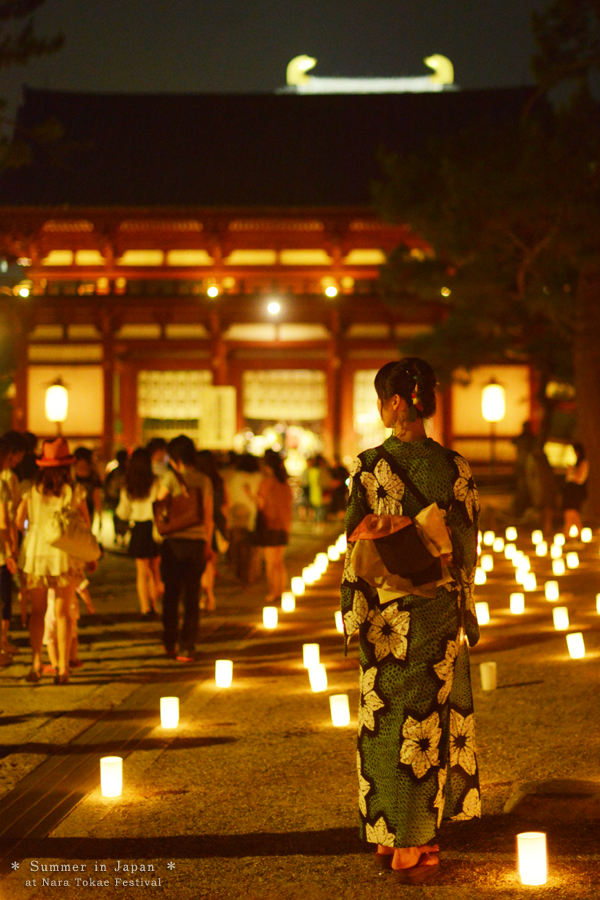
[[5, 592], [182, 565]]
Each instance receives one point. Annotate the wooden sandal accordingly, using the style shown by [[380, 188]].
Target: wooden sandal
[[421, 873]]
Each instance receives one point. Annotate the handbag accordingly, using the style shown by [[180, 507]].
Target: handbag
[[177, 513], [67, 531]]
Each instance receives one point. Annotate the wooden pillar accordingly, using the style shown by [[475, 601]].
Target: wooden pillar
[[108, 369], [332, 430], [218, 352], [20, 399]]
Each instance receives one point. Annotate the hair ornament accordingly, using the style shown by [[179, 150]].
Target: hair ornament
[[416, 401]]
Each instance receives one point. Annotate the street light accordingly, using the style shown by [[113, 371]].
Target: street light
[[57, 403], [493, 409]]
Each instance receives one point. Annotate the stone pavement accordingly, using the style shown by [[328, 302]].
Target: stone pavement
[[255, 793]]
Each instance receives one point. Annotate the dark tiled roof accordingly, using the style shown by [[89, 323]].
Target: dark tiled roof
[[231, 150]]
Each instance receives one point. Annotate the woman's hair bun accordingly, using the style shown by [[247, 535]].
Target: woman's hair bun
[[409, 376]]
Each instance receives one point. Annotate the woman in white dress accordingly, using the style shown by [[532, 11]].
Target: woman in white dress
[[43, 565]]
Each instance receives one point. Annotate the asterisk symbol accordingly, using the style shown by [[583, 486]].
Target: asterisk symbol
[[170, 865], [14, 866]]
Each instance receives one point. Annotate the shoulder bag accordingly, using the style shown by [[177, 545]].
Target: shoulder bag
[[177, 513]]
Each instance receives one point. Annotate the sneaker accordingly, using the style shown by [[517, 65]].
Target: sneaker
[[186, 655]]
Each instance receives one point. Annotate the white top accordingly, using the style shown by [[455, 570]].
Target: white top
[[37, 556], [12, 483], [242, 508], [578, 474], [132, 509]]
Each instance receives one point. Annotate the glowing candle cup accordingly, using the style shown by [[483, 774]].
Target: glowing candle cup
[[488, 538], [339, 622], [511, 533], [480, 576], [488, 674], [559, 539], [288, 601], [333, 553], [318, 678], [537, 536], [586, 535], [530, 582], [556, 551], [572, 560], [532, 857], [560, 614], [510, 550], [224, 673], [498, 545], [517, 604], [322, 561], [111, 776], [169, 712], [298, 586], [541, 549], [270, 616], [482, 611], [573, 531], [598, 603], [558, 567], [310, 655], [487, 562], [341, 543], [576, 645], [340, 710], [551, 591]]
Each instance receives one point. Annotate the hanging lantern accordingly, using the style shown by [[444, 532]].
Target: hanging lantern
[[530, 582], [298, 586], [340, 710], [310, 655], [111, 776], [517, 604], [169, 712], [576, 645], [482, 611], [498, 545], [56, 402], [223, 673], [541, 549], [493, 406], [532, 857], [488, 538], [488, 675], [270, 616], [586, 535], [572, 560], [480, 576], [487, 562], [551, 591], [339, 622], [558, 567], [318, 678], [511, 533], [288, 601], [560, 614]]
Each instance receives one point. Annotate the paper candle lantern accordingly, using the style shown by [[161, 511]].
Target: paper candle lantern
[[111, 776], [298, 586], [586, 535], [551, 591], [517, 604], [576, 645], [532, 857], [288, 601], [340, 710], [169, 712], [498, 545], [530, 582], [318, 678], [333, 553], [511, 533], [572, 560], [537, 536], [310, 655], [482, 611], [573, 531], [309, 575], [270, 616], [224, 672], [556, 551], [322, 561], [480, 576], [488, 675], [541, 549], [488, 538], [558, 567], [487, 562], [560, 614], [559, 539], [339, 622], [510, 550], [341, 543], [598, 603]]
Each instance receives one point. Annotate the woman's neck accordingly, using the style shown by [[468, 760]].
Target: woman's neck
[[407, 431]]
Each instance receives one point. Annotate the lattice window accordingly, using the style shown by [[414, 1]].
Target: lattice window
[[285, 394], [171, 395], [367, 423]]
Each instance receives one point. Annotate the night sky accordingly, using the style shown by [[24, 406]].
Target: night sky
[[245, 45]]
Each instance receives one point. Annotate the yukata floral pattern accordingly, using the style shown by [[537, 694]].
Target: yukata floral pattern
[[417, 762]]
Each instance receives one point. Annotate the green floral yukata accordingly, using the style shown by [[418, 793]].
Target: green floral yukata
[[416, 747]]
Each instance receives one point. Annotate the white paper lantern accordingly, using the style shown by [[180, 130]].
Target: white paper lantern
[[310, 655], [532, 857], [482, 611], [576, 645], [309, 575], [510, 550], [541, 549], [560, 614], [318, 678], [288, 601], [270, 617], [530, 582], [298, 586], [573, 531], [598, 603], [111, 776], [551, 591], [517, 604], [488, 538], [321, 561], [559, 539], [169, 712], [333, 553], [488, 674], [487, 562], [223, 673], [558, 567], [511, 533], [537, 536], [340, 710], [498, 545], [339, 622], [572, 560], [556, 551], [521, 575], [586, 535], [480, 576], [341, 543]]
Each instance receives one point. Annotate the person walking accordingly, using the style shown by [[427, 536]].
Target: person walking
[[113, 484], [8, 556], [135, 505], [274, 521], [45, 566], [185, 552], [416, 751], [220, 543]]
